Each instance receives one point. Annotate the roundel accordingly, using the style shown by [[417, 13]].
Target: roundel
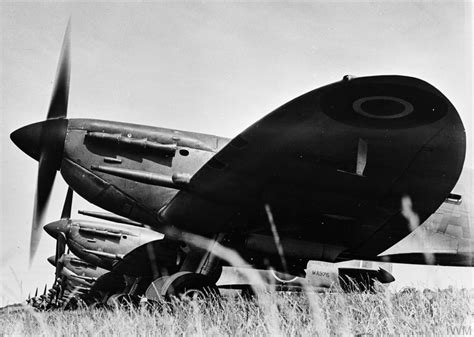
[[382, 107], [368, 104]]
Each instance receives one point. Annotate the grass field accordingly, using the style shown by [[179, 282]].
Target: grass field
[[408, 312]]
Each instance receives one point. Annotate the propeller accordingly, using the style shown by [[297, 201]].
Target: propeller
[[60, 96], [66, 213], [59, 266], [48, 151], [60, 249], [61, 241]]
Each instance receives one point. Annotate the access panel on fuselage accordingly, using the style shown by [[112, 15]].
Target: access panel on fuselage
[[86, 152]]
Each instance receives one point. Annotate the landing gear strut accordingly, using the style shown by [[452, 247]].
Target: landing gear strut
[[197, 277]]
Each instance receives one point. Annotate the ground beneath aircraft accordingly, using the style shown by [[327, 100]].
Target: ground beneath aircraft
[[407, 312]]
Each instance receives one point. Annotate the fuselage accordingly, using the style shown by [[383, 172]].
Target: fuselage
[[104, 244], [135, 171], [91, 147]]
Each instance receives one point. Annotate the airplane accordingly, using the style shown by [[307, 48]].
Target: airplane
[[444, 232], [75, 280], [107, 258], [106, 245], [118, 262], [77, 268], [323, 177]]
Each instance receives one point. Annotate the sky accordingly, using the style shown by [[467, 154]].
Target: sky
[[207, 67]]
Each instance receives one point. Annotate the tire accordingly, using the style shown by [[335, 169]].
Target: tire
[[189, 284], [153, 292]]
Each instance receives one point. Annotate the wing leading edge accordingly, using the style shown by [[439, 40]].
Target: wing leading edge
[[306, 161]]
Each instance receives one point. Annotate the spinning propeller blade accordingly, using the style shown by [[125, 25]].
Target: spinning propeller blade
[[66, 213], [49, 136], [60, 96], [61, 242], [60, 248]]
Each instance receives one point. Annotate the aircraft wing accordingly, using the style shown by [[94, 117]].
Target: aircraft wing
[[445, 238], [460, 259], [143, 260], [110, 282], [345, 153]]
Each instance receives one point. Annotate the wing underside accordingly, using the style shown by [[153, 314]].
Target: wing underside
[[333, 165]]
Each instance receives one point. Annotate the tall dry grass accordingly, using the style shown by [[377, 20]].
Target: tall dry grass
[[383, 313]]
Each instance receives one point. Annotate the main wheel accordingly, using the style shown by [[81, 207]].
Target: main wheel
[[189, 284], [153, 292]]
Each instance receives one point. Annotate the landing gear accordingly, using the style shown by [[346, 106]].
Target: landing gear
[[153, 293], [197, 277], [189, 284], [183, 283]]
